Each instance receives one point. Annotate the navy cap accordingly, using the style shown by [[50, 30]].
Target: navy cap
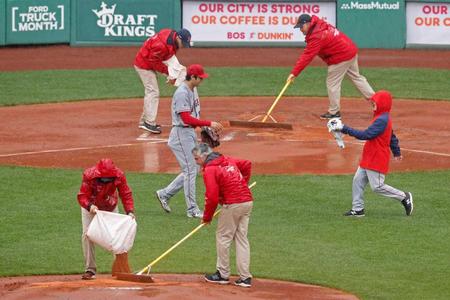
[[303, 19], [185, 37]]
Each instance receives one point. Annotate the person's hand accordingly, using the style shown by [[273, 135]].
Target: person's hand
[[131, 214], [216, 126], [291, 78], [171, 81], [398, 158], [93, 209]]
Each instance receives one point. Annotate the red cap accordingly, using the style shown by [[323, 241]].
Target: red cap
[[196, 70]]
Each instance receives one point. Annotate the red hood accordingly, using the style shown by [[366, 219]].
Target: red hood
[[104, 168], [317, 24], [383, 99]]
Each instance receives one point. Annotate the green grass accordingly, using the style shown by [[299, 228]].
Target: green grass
[[296, 232], [67, 85]]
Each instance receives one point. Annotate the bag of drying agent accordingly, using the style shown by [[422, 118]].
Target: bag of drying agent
[[113, 232]]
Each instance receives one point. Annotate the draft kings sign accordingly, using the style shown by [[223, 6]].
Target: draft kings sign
[[250, 22]]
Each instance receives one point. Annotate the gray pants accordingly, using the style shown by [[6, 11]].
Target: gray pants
[[88, 246], [335, 76], [181, 142], [151, 95], [376, 181]]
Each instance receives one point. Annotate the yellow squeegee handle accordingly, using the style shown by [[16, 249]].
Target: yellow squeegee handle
[[179, 242], [276, 100]]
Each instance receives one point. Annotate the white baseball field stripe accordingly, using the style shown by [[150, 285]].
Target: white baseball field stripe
[[409, 150], [156, 141]]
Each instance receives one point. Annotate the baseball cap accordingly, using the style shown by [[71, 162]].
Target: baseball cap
[[303, 19], [196, 70], [185, 37]]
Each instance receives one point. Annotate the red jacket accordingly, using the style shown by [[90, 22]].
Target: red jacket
[[325, 40], [226, 181], [376, 152], [157, 49], [104, 195]]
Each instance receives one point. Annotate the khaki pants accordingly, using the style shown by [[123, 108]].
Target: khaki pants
[[335, 76], [88, 246], [233, 226], [151, 95]]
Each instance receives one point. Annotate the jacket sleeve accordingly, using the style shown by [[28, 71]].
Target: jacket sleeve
[[374, 130], [211, 194], [245, 166], [125, 194], [311, 50], [394, 145], [84, 195]]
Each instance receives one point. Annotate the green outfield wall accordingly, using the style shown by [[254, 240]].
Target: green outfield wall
[[373, 24], [2, 24], [121, 21], [37, 21], [223, 23]]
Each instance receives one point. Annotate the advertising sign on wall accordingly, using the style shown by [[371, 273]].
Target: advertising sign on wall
[[373, 24], [100, 21], [428, 23], [34, 21], [250, 22], [2, 24]]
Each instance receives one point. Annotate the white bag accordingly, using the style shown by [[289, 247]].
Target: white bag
[[112, 231], [176, 70]]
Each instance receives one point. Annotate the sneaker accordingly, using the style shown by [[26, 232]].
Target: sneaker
[[408, 203], [216, 278], [244, 283], [196, 214], [355, 213], [88, 275], [163, 202], [328, 115], [156, 129]]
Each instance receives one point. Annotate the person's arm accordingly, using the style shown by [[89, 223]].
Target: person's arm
[[84, 195], [394, 145], [211, 194], [245, 167], [125, 194], [191, 121], [311, 50], [374, 130]]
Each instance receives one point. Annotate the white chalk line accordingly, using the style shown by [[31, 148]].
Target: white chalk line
[[154, 141]]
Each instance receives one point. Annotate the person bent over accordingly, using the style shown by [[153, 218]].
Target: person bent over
[[100, 189], [226, 182]]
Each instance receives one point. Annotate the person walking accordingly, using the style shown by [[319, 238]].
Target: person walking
[[183, 138], [340, 54], [100, 189], [226, 182], [380, 140], [151, 59]]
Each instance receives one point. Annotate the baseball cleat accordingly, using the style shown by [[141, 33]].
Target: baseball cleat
[[328, 115], [355, 213], [408, 203], [163, 203], [196, 214], [88, 275], [156, 129]]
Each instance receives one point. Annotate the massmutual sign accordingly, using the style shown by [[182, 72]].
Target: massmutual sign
[[370, 5], [124, 25]]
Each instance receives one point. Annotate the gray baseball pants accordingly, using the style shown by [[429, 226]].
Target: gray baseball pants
[[376, 181], [181, 141]]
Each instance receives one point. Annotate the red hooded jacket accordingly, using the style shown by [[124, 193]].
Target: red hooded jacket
[[104, 195], [379, 136], [325, 40], [157, 49], [226, 181]]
